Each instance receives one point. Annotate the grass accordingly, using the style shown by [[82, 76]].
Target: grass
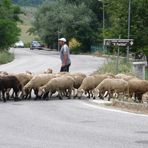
[[111, 67], [5, 57], [146, 73]]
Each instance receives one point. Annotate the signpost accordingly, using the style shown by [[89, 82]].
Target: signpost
[[118, 42]]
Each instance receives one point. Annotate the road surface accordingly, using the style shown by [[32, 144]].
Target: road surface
[[38, 60], [65, 123]]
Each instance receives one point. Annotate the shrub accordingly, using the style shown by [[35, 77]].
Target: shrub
[[110, 67], [74, 46], [6, 56]]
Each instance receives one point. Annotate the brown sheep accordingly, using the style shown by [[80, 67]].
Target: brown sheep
[[8, 82]]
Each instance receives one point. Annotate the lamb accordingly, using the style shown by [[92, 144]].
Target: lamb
[[36, 82], [111, 85], [8, 82], [59, 84], [138, 87], [91, 82]]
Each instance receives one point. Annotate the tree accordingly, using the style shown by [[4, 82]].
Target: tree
[[118, 20], [27, 2], [9, 31], [69, 20]]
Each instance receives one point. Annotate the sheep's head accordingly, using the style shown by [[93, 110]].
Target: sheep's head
[[80, 93], [26, 90], [41, 91], [95, 93]]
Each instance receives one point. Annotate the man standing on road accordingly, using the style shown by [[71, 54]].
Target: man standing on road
[[64, 55]]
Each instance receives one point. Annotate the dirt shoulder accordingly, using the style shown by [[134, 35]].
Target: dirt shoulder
[[138, 108]]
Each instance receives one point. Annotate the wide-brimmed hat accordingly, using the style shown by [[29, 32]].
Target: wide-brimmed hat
[[62, 39]]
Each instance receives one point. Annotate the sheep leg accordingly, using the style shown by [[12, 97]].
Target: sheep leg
[[88, 95], [69, 95], [45, 96], [36, 94], [109, 93], [3, 96], [101, 96], [16, 95], [60, 95], [139, 97]]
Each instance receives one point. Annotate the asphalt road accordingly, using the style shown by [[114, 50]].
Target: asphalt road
[[65, 123], [38, 60]]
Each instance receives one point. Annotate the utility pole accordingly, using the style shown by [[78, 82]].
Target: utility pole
[[58, 40], [103, 23], [117, 62], [129, 23], [103, 20]]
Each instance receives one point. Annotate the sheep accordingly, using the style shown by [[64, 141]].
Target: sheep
[[48, 70], [24, 78], [124, 76], [59, 84], [91, 82], [36, 82], [137, 87], [8, 82], [3, 73], [111, 85]]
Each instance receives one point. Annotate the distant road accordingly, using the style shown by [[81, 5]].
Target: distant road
[[38, 60]]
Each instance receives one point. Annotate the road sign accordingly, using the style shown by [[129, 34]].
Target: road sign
[[118, 42]]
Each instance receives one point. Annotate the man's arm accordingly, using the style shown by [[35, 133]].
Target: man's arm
[[65, 59]]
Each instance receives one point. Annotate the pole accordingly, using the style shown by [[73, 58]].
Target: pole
[[58, 40], [103, 23], [117, 64], [129, 23]]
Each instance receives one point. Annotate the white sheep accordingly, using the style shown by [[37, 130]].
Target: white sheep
[[59, 84], [124, 76], [91, 82], [36, 82], [111, 85], [48, 71], [137, 87]]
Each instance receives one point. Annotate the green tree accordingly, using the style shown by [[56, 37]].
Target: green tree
[[117, 11], [9, 31], [69, 20]]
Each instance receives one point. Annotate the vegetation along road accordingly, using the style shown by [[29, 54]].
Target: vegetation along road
[[65, 123]]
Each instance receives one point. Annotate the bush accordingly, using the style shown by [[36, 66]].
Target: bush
[[74, 46], [110, 67], [5, 57]]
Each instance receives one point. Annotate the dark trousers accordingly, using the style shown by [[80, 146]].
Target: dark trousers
[[65, 68]]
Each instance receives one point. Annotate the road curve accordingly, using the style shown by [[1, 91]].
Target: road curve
[[39, 60]]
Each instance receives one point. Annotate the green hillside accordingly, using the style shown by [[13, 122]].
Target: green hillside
[[27, 18]]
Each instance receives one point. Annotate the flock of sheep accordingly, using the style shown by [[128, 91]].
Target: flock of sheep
[[19, 86]]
